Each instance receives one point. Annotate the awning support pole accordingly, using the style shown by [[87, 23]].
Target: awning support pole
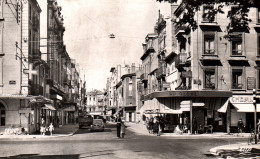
[[254, 101], [191, 117]]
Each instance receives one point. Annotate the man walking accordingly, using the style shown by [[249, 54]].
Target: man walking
[[118, 126]]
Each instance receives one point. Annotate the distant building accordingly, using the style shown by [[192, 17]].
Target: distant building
[[95, 103]]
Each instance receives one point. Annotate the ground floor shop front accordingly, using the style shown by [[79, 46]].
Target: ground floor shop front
[[189, 111], [201, 112]]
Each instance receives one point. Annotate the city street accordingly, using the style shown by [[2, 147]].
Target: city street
[[85, 144]]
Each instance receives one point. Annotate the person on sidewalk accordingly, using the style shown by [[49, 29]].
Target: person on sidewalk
[[195, 126], [43, 127], [156, 127], [51, 128], [123, 127], [240, 126], [118, 126]]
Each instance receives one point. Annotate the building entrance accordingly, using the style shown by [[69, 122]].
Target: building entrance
[[2, 115]]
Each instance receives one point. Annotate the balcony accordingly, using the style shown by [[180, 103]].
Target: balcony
[[36, 89], [67, 82], [144, 77], [161, 72], [180, 29], [180, 60], [237, 86]]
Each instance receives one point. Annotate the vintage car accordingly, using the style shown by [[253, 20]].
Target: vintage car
[[98, 125]]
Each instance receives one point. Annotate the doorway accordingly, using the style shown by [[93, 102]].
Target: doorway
[[2, 115]]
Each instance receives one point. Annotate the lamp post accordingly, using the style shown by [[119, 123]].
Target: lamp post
[[254, 102]]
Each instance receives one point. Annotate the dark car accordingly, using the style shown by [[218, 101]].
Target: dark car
[[98, 125]]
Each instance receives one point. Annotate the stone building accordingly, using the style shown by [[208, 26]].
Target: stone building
[[23, 96]]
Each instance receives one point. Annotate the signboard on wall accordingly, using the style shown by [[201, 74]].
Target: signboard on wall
[[250, 83], [241, 99], [12, 82]]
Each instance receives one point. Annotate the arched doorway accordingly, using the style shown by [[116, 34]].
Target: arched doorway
[[2, 115]]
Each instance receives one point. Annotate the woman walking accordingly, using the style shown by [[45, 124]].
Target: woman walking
[[123, 126]]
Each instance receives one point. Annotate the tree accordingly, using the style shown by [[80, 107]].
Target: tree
[[238, 17]]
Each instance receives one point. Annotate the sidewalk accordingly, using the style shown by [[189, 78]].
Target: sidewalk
[[141, 129], [65, 130]]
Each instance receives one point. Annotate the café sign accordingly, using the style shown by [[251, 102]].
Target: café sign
[[241, 99]]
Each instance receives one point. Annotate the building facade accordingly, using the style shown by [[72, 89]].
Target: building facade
[[95, 103], [23, 95]]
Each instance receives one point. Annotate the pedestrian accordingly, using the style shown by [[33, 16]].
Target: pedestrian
[[123, 127], [118, 126], [162, 124], [240, 126], [51, 128], [150, 125], [195, 126], [156, 127], [43, 127]]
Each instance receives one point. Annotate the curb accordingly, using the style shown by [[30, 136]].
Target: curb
[[36, 136], [188, 135]]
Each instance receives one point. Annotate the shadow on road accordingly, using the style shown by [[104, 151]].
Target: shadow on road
[[37, 156]]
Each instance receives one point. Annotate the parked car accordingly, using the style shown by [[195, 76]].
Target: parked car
[[85, 120], [98, 125]]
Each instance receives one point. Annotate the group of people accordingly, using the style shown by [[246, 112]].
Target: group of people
[[120, 127], [155, 125], [44, 128]]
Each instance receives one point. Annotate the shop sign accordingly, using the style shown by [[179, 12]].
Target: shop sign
[[198, 104], [12, 82], [241, 99]]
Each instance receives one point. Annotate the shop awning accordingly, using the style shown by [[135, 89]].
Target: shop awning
[[247, 108], [48, 106], [223, 109]]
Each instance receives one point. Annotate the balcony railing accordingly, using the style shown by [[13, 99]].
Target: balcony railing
[[237, 86], [180, 28], [209, 52], [181, 60], [144, 77], [161, 71], [36, 89]]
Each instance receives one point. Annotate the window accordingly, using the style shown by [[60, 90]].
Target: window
[[236, 43], [206, 14], [237, 78], [130, 89], [210, 79], [209, 40]]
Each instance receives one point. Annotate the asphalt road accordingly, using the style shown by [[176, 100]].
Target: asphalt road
[[102, 145]]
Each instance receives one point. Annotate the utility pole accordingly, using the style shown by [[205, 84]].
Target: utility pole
[[254, 102]]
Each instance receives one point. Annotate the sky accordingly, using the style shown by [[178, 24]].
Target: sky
[[88, 25]]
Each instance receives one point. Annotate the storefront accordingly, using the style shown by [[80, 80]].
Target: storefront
[[22, 111], [242, 107], [183, 107]]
